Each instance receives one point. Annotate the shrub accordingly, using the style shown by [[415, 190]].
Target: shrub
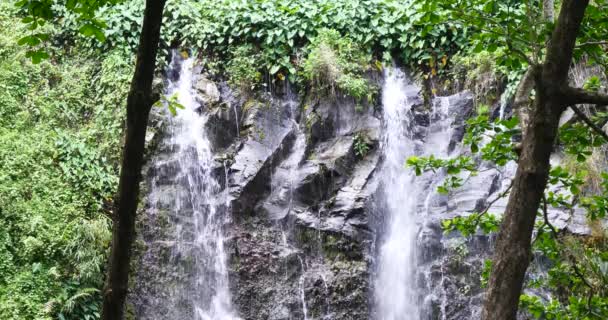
[[242, 69], [60, 129], [336, 62], [361, 145], [281, 29]]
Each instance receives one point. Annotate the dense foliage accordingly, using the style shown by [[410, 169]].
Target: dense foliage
[[337, 63], [277, 31], [60, 128]]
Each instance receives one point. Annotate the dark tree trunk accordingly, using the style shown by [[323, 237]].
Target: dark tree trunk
[[139, 102], [513, 247]]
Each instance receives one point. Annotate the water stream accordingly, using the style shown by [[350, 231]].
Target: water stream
[[199, 211], [399, 290], [395, 291]]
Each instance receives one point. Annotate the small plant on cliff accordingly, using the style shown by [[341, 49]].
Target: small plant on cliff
[[336, 63], [361, 146]]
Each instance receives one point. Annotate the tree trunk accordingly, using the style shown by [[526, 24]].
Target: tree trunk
[[549, 10], [521, 103], [513, 247], [139, 102]]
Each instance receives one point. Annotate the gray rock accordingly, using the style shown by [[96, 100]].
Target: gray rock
[[208, 93]]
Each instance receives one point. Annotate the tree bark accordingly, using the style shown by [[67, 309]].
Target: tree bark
[[513, 247], [549, 10], [521, 103], [139, 102]]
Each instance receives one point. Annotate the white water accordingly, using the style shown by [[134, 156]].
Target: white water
[[301, 283], [201, 207], [440, 131], [395, 290], [407, 198], [200, 238]]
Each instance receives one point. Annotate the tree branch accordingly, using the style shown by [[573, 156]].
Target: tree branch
[[589, 123], [546, 218], [581, 96], [591, 43], [491, 203], [520, 53]]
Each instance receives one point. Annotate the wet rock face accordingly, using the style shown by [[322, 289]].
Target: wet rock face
[[301, 241], [298, 244]]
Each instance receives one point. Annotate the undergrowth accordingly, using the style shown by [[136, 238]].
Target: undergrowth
[[336, 63], [60, 133]]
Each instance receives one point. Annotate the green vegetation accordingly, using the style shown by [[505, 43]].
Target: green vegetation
[[60, 130], [578, 266], [512, 38], [242, 69], [336, 63], [281, 28], [361, 145], [480, 73], [273, 37]]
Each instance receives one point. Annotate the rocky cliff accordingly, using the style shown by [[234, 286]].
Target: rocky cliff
[[302, 196]]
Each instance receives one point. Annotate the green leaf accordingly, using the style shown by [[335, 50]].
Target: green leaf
[[37, 56], [274, 69], [91, 30], [172, 109], [474, 148], [581, 158], [30, 40]]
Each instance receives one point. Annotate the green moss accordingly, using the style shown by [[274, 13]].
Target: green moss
[[311, 119], [261, 135], [361, 144], [249, 105], [480, 74]]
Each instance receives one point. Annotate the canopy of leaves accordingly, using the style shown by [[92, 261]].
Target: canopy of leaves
[[278, 29]]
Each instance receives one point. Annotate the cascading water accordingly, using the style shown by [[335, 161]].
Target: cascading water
[[186, 265], [199, 212], [399, 288], [395, 292]]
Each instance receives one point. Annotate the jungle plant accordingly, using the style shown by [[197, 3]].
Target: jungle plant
[[335, 64], [361, 145], [243, 69], [279, 29]]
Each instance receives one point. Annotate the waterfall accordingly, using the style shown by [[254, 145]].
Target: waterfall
[[279, 265], [395, 292], [198, 210], [400, 286]]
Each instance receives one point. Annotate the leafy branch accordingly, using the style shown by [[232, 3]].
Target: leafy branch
[[171, 102]]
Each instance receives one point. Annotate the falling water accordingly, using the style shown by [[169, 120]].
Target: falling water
[[200, 210], [406, 198], [301, 283], [395, 291]]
